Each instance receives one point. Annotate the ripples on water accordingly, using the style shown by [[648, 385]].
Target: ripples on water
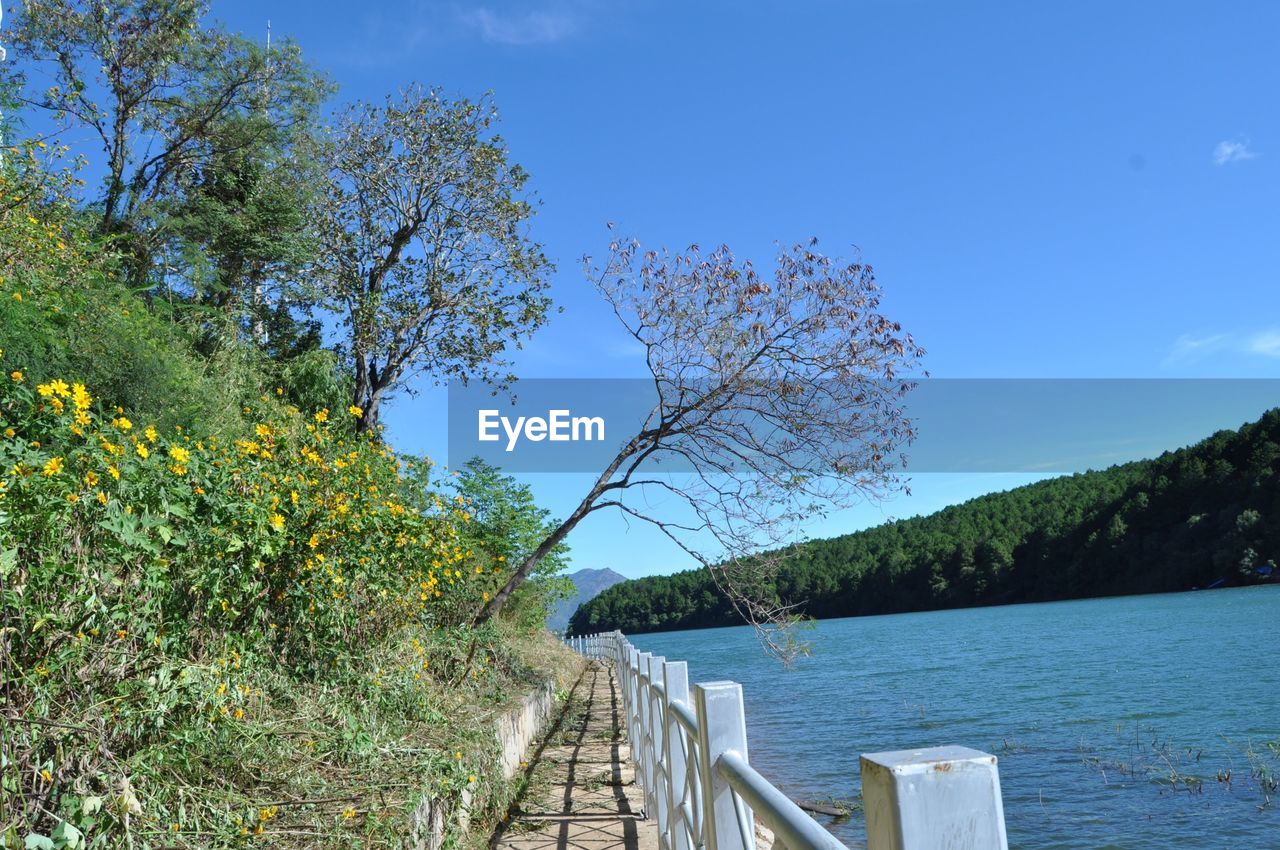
[[1093, 707]]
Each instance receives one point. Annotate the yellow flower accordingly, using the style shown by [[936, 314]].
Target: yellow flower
[[277, 521], [91, 478], [355, 411], [16, 376], [179, 454], [72, 498], [102, 498], [10, 433], [113, 471], [151, 434], [322, 415], [348, 813], [142, 451], [239, 713], [46, 776], [81, 397], [122, 423], [52, 467]]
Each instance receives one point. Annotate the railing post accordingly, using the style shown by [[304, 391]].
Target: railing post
[[657, 802], [933, 798], [623, 672], [641, 743], [633, 713], [675, 677], [722, 726]]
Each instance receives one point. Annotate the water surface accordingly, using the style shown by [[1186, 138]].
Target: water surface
[[1105, 713]]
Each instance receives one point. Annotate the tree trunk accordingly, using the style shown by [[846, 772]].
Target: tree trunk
[[369, 413], [494, 606]]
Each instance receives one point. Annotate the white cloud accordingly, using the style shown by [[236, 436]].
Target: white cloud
[[1190, 348], [1266, 343], [535, 27], [1232, 151]]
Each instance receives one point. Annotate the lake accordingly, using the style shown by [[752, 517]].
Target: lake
[[1105, 714]]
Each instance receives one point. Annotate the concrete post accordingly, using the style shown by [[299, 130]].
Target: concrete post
[[676, 836], [640, 743], [930, 799], [657, 792], [722, 725]]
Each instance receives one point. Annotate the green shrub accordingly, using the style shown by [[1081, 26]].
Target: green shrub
[[173, 581]]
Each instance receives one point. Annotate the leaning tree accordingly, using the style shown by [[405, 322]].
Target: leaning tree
[[778, 398]]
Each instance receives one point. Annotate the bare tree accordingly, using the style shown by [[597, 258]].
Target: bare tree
[[423, 245], [782, 398]]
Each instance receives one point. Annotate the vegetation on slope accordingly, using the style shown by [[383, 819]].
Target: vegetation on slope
[[1179, 521], [227, 617]]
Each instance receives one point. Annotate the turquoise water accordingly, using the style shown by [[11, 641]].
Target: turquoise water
[[1097, 710]]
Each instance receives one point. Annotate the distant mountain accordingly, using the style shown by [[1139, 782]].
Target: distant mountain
[[589, 584]]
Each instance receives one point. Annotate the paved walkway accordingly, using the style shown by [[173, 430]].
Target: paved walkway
[[582, 794]]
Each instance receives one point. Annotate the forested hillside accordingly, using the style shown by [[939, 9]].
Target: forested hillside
[[1183, 520]]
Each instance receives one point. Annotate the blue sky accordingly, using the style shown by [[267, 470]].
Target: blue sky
[[1075, 189], [1045, 189]]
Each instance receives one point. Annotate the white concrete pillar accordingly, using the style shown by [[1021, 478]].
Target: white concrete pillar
[[722, 725], [931, 799]]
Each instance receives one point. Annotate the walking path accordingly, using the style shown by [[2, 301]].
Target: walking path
[[581, 793]]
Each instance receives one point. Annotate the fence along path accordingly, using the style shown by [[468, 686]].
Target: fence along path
[[689, 750]]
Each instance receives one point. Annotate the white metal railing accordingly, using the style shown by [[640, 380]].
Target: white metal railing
[[689, 750]]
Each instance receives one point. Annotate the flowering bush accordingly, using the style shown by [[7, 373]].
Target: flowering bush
[[303, 533], [153, 580]]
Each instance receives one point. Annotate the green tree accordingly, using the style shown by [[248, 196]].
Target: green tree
[[508, 525], [162, 94], [240, 230], [423, 249]]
